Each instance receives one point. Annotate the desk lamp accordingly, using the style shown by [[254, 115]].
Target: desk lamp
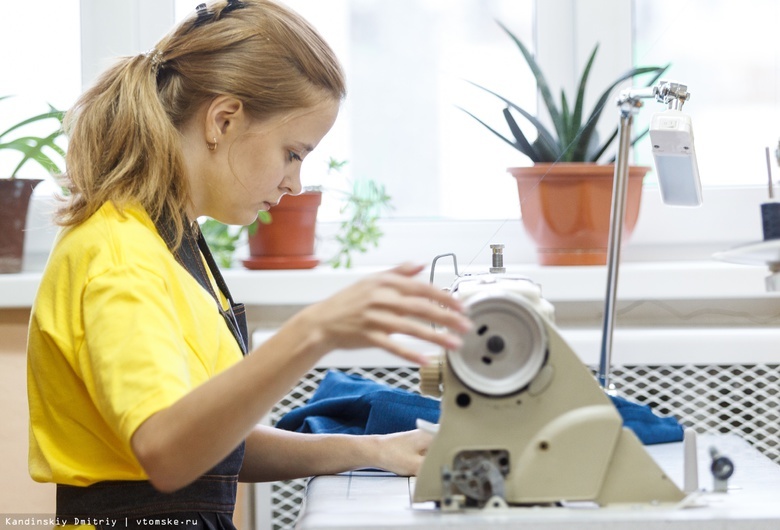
[[671, 135]]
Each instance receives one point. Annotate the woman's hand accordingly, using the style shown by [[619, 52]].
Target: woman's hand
[[402, 453], [369, 312]]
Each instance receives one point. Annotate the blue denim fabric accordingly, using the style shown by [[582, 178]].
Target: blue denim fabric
[[350, 404]]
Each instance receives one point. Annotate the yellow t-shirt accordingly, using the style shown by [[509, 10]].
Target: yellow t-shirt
[[118, 331]]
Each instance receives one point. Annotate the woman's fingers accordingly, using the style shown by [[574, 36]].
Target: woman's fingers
[[431, 313], [393, 302], [402, 279], [402, 349], [408, 269], [385, 342], [417, 299]]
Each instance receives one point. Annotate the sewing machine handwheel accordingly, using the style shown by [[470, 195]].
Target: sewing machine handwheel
[[506, 348]]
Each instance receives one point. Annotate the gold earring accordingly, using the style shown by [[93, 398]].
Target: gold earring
[[212, 146]]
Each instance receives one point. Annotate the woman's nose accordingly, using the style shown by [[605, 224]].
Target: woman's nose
[[292, 182]]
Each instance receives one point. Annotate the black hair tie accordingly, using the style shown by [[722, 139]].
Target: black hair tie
[[203, 15], [232, 5]]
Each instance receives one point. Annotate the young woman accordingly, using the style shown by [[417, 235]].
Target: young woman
[[141, 401]]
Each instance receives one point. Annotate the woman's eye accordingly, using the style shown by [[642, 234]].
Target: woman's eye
[[293, 156]]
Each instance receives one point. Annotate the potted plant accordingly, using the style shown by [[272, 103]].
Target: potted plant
[[15, 192], [284, 237], [565, 196]]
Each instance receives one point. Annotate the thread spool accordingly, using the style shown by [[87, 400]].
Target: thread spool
[[770, 211], [770, 220]]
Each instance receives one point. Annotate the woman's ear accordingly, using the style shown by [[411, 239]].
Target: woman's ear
[[224, 115]]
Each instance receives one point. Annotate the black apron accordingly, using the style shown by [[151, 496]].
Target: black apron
[[207, 503]]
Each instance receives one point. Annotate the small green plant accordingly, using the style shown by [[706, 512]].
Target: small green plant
[[360, 230], [574, 138], [40, 149], [221, 239]]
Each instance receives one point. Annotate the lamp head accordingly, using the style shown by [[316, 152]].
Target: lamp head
[[674, 153]]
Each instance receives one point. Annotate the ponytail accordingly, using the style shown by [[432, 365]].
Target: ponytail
[[123, 147]]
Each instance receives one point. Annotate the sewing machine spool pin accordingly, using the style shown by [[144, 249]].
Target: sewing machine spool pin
[[497, 259], [690, 461]]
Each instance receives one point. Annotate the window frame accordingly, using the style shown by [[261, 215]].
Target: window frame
[[566, 31]]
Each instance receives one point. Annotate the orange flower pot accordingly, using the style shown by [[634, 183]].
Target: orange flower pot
[[287, 242], [566, 207], [14, 204]]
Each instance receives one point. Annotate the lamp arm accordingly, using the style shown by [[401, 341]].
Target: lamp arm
[[618, 212], [673, 95]]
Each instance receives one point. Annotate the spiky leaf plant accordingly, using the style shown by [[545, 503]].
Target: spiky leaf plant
[[573, 137], [40, 149]]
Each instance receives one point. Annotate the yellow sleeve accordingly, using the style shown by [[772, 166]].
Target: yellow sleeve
[[134, 356]]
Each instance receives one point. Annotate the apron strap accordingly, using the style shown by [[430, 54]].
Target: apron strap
[[190, 255]]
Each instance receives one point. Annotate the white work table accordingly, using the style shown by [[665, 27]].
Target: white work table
[[373, 500]]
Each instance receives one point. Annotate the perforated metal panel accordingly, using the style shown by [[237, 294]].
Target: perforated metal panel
[[713, 399]]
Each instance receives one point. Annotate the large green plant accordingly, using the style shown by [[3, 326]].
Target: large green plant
[[573, 137], [40, 149]]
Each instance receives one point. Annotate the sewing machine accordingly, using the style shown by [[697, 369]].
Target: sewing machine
[[523, 420], [527, 438]]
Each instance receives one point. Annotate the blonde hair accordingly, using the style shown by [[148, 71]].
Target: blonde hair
[[124, 142]]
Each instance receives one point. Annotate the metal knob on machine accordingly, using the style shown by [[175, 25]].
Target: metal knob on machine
[[430, 377]]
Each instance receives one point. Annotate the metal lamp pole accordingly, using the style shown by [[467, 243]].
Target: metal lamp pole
[[629, 103]]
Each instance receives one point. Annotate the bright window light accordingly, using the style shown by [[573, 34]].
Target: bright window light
[[723, 51], [40, 64], [407, 62]]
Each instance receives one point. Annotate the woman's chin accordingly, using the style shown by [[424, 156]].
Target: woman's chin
[[243, 219]]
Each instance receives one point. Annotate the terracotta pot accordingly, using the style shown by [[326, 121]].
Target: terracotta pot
[[566, 207], [287, 242], [14, 203]]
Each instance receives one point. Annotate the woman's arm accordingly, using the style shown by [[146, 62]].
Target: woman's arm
[[178, 444], [275, 454]]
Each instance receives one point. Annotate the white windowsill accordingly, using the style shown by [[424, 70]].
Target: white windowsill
[[637, 281], [669, 256]]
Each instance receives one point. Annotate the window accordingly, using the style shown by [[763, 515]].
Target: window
[[407, 62], [40, 63], [41, 58], [723, 51]]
